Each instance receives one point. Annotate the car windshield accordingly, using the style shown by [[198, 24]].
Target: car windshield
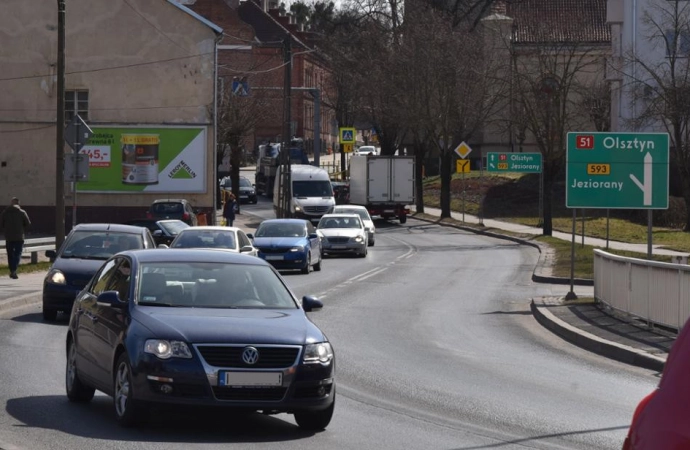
[[340, 222], [244, 182], [86, 244], [194, 238], [212, 285], [312, 188], [173, 227], [167, 208], [281, 230], [362, 213]]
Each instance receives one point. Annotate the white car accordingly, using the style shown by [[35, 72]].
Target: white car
[[342, 233], [227, 238], [366, 150], [363, 214]]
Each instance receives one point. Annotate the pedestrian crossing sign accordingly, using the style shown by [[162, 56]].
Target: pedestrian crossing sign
[[347, 135]]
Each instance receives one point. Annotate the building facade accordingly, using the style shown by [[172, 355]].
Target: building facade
[[142, 76]]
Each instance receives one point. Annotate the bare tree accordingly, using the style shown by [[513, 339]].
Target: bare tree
[[661, 85], [548, 78]]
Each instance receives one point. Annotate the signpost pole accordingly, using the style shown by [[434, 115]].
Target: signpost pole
[[607, 228], [649, 234], [571, 295], [77, 147], [463, 195]]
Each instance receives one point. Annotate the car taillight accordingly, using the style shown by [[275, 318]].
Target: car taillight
[[149, 215], [185, 216]]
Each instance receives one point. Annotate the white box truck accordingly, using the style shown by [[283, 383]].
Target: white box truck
[[384, 184]]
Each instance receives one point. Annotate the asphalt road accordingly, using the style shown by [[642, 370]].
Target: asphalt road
[[436, 349]]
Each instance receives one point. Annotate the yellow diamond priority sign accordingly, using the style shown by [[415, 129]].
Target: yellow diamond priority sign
[[463, 150]]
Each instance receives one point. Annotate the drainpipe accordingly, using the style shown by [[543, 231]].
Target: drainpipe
[[214, 159], [634, 62]]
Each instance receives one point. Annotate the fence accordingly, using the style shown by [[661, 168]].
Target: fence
[[650, 290], [34, 246]]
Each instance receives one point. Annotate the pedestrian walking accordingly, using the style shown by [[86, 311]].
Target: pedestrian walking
[[14, 221], [229, 210]]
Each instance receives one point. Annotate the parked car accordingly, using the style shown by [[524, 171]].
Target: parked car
[[201, 328], [289, 244], [660, 420], [363, 214], [342, 233], [228, 238], [163, 231], [85, 249], [247, 189], [341, 192], [173, 208], [366, 150]]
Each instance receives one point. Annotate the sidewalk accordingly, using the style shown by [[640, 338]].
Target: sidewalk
[[583, 322]]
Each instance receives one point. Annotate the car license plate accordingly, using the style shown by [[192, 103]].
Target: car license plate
[[339, 247], [244, 196], [274, 257], [250, 378], [389, 210]]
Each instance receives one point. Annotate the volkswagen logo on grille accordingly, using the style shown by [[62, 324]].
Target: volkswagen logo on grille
[[250, 355]]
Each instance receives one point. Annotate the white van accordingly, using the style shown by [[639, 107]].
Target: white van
[[312, 193]]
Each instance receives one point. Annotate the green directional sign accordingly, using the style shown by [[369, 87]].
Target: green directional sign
[[514, 162], [617, 170]]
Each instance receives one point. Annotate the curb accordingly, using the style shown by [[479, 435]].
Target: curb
[[22, 300], [595, 344], [537, 278]]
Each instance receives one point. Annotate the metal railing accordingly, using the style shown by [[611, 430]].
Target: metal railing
[[656, 292], [33, 246]]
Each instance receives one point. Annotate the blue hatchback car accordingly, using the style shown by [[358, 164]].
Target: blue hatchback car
[[289, 244]]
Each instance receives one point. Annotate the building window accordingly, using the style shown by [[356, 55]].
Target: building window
[[76, 102], [677, 43]]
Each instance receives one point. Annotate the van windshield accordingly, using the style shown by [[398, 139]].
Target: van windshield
[[312, 188]]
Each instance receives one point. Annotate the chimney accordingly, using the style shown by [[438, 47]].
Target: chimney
[[264, 5], [291, 18], [499, 7]]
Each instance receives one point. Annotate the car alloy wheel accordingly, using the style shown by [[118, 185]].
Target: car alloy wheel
[[127, 411], [307, 268], [76, 390]]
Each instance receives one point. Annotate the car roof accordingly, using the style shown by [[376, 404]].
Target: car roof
[[325, 216], [302, 221], [336, 207], [209, 228], [170, 200], [119, 227], [193, 255]]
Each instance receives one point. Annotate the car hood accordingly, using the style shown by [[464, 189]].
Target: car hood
[[261, 242], [333, 232], [78, 271], [314, 201], [211, 325]]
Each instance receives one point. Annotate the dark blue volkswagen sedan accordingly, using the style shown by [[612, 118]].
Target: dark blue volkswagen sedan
[[289, 244], [198, 327]]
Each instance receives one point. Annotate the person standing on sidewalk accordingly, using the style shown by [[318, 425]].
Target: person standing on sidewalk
[[14, 221], [229, 210]]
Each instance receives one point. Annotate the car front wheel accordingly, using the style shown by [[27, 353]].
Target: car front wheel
[[315, 420], [77, 391], [128, 412], [307, 267]]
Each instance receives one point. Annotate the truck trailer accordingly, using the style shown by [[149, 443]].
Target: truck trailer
[[383, 184]]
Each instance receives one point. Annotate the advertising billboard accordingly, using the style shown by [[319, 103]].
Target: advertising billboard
[[146, 159]]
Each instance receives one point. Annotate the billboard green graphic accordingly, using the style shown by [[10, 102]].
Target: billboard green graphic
[[142, 159]]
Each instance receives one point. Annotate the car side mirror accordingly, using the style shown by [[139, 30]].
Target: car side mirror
[[111, 298], [51, 254], [246, 249], [310, 303], [158, 233], [250, 236], [313, 236]]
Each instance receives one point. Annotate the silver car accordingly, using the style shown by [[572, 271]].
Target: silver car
[[342, 233], [363, 214]]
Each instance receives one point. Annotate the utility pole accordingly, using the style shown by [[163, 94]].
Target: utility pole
[[285, 188], [60, 135]]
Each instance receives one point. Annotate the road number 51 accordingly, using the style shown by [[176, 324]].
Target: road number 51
[[584, 142]]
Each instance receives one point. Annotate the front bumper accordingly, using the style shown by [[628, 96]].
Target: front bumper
[[194, 383], [350, 247], [285, 261], [59, 297]]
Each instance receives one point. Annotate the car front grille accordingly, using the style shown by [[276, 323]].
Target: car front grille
[[249, 394], [338, 240], [316, 209], [270, 357], [273, 250]]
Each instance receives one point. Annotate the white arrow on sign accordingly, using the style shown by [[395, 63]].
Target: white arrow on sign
[[646, 184]]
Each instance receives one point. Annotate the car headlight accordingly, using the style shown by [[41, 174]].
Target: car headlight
[[55, 276], [167, 349], [252, 192], [297, 249], [359, 238], [298, 208], [318, 353]]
